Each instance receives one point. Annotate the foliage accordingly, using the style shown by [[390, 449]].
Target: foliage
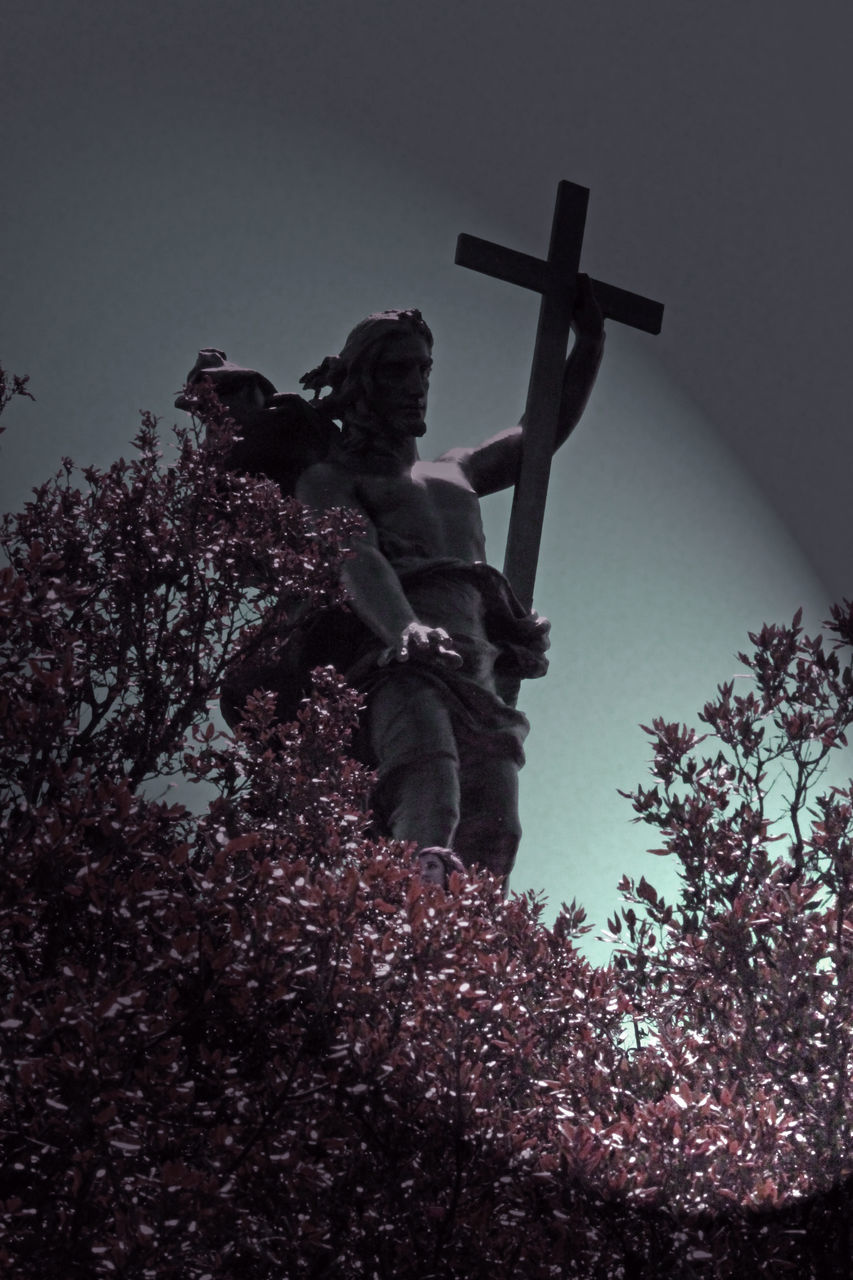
[[250, 1042], [750, 972]]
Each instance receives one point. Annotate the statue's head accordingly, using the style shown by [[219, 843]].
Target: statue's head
[[380, 380]]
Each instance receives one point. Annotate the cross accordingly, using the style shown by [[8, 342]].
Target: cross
[[555, 278]]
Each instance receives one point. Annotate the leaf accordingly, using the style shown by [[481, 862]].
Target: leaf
[[248, 841]]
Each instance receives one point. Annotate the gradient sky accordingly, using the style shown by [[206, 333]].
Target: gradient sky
[[258, 177]]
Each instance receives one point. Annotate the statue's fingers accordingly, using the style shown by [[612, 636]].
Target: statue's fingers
[[443, 638], [450, 656]]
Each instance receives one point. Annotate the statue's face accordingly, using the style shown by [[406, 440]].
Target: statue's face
[[401, 383]]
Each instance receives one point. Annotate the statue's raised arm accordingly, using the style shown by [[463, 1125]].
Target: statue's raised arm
[[494, 464]]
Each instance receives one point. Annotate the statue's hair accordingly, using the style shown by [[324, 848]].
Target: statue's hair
[[349, 375]]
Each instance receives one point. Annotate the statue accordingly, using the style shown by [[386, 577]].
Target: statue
[[444, 628], [437, 639], [441, 630]]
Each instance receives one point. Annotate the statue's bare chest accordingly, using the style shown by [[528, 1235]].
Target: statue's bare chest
[[433, 507]]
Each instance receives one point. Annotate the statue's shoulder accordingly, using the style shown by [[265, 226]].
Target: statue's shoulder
[[458, 456], [328, 482]]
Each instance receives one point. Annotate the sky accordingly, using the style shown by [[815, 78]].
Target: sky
[[257, 177]]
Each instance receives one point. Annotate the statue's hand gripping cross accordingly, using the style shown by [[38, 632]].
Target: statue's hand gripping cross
[[556, 279]]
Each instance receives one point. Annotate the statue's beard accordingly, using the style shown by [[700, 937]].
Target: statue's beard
[[404, 419], [374, 436], [385, 426]]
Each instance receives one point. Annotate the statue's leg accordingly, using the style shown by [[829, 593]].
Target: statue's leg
[[489, 831], [412, 739], [421, 801]]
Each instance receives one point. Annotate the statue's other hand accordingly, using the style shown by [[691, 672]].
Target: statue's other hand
[[543, 626], [587, 320], [418, 640]]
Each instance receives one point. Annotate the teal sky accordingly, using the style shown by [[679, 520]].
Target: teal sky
[[258, 180]]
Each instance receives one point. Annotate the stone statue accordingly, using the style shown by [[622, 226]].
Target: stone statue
[[436, 638], [444, 628], [440, 630]]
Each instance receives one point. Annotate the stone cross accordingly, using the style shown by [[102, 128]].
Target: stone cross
[[555, 278]]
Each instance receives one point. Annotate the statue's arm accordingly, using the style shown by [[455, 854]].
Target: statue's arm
[[494, 464], [373, 589]]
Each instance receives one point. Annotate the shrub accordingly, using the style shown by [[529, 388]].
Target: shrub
[[250, 1042]]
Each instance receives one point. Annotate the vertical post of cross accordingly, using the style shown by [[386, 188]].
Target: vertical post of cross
[[545, 389], [555, 278]]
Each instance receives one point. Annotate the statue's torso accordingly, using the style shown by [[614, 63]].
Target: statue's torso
[[430, 512]]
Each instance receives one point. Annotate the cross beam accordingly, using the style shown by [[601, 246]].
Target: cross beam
[[555, 278]]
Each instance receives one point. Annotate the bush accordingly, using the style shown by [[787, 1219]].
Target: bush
[[250, 1042]]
